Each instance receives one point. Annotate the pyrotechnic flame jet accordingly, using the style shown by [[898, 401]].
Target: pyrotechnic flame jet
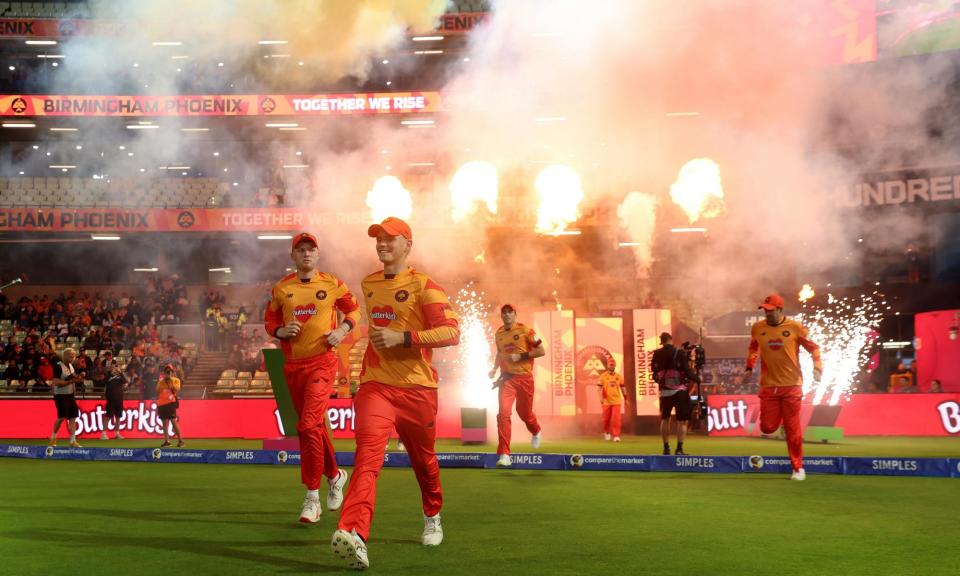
[[389, 198], [560, 192], [698, 190], [473, 183]]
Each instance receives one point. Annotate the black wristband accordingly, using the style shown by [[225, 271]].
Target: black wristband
[[525, 356], [407, 339]]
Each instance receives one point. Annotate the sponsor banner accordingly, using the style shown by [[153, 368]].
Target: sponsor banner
[[394, 459], [781, 464], [240, 456], [177, 455], [78, 105], [935, 187], [716, 464], [954, 464], [939, 467], [938, 353], [343, 458], [51, 28], [67, 453], [647, 326], [531, 461], [598, 341], [13, 451], [122, 454], [555, 375], [856, 415], [461, 22], [460, 460], [292, 458], [621, 462]]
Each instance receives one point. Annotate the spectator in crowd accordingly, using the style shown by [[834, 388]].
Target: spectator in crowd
[[65, 379], [935, 387], [900, 378]]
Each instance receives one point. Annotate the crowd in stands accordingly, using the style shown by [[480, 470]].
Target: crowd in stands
[[102, 327]]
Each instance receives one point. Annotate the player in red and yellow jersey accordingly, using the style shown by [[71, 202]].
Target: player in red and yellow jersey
[[409, 315], [305, 313], [517, 346], [777, 341], [612, 394]]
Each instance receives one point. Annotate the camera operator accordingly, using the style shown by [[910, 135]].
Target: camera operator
[[65, 378], [114, 387], [671, 371]]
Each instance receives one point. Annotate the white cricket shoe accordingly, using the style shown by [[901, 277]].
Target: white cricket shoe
[[799, 475], [535, 441], [616, 438], [350, 548], [606, 436], [103, 436], [432, 531], [119, 436], [335, 493], [400, 446], [504, 461], [311, 510]]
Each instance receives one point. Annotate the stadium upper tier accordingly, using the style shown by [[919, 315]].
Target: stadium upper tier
[[115, 192]]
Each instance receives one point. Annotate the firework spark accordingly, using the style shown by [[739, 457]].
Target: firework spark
[[474, 355], [844, 329], [806, 293]]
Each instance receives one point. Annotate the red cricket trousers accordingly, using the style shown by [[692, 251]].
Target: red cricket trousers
[[310, 381], [782, 404], [379, 409], [611, 419], [519, 388]]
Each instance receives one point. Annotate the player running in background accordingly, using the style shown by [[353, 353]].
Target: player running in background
[[612, 394], [409, 315], [777, 341], [517, 346], [303, 314]]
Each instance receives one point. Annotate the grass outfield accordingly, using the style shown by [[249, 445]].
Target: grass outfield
[[146, 518]]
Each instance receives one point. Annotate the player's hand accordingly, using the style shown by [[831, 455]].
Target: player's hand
[[817, 373], [492, 373], [513, 357], [336, 336], [383, 338], [291, 330]]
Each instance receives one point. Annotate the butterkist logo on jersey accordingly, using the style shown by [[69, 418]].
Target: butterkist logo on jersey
[[382, 317], [401, 295], [304, 313], [321, 294], [775, 344]]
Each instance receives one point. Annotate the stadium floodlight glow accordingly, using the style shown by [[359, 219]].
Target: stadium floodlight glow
[[675, 114], [271, 42], [62, 166], [180, 57], [104, 237], [146, 269], [296, 165], [168, 43], [274, 237], [416, 122], [279, 55], [550, 119], [689, 230], [426, 38], [174, 167], [294, 129], [419, 164], [894, 345], [427, 52], [64, 129], [563, 233], [19, 125], [629, 244], [225, 269], [281, 124], [142, 126], [41, 42], [194, 129], [50, 56]]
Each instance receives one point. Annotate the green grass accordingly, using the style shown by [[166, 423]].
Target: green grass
[[145, 518]]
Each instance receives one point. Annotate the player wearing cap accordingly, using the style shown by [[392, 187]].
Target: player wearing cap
[[517, 346], [612, 394], [311, 312], [409, 315], [168, 388], [777, 341]]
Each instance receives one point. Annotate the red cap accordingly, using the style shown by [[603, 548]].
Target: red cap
[[509, 307], [772, 301], [391, 227], [303, 237]]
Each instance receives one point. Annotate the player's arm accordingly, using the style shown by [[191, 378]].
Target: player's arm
[[753, 351], [534, 349], [441, 323], [273, 318], [349, 309], [496, 365], [814, 350]]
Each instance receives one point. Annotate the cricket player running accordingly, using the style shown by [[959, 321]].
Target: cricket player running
[[409, 315], [777, 341], [303, 314], [517, 346]]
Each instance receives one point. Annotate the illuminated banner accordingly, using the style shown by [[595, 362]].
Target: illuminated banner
[[939, 187], [860, 415], [220, 105], [50, 28], [246, 418], [461, 22], [555, 373], [647, 326], [598, 341]]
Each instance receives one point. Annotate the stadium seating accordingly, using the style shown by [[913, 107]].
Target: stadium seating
[[112, 193]]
